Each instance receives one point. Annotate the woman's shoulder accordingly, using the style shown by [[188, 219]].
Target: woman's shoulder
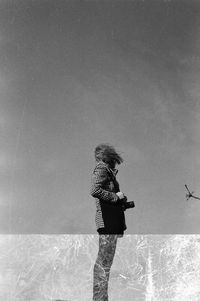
[[101, 167]]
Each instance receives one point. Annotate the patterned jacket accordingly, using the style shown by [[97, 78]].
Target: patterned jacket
[[109, 212]]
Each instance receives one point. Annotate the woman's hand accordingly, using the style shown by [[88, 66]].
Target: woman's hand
[[120, 195]]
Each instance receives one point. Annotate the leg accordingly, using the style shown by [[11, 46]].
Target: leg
[[107, 247]]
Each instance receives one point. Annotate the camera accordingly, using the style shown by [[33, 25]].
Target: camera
[[128, 205], [125, 204]]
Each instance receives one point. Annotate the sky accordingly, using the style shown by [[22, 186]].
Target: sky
[[74, 74]]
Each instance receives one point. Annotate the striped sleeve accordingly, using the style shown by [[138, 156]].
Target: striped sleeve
[[99, 179]]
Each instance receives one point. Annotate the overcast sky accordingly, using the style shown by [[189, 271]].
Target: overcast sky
[[74, 74]]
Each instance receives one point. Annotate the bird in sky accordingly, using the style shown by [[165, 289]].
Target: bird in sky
[[190, 194]]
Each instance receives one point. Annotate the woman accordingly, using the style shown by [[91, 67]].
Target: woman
[[110, 219]]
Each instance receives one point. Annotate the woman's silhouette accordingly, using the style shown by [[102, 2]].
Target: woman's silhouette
[[110, 218]]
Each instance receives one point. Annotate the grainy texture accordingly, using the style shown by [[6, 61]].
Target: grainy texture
[[145, 267], [107, 247]]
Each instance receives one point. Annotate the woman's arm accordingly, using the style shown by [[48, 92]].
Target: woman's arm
[[99, 178]]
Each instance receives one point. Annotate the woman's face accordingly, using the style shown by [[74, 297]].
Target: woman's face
[[112, 164]]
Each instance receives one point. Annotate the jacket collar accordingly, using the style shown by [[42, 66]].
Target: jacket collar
[[112, 171]]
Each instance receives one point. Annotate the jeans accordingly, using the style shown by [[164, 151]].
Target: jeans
[[107, 247]]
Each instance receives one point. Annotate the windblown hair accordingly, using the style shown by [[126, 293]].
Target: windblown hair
[[107, 154]]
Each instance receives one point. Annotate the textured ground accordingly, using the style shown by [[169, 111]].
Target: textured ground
[[59, 267]]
